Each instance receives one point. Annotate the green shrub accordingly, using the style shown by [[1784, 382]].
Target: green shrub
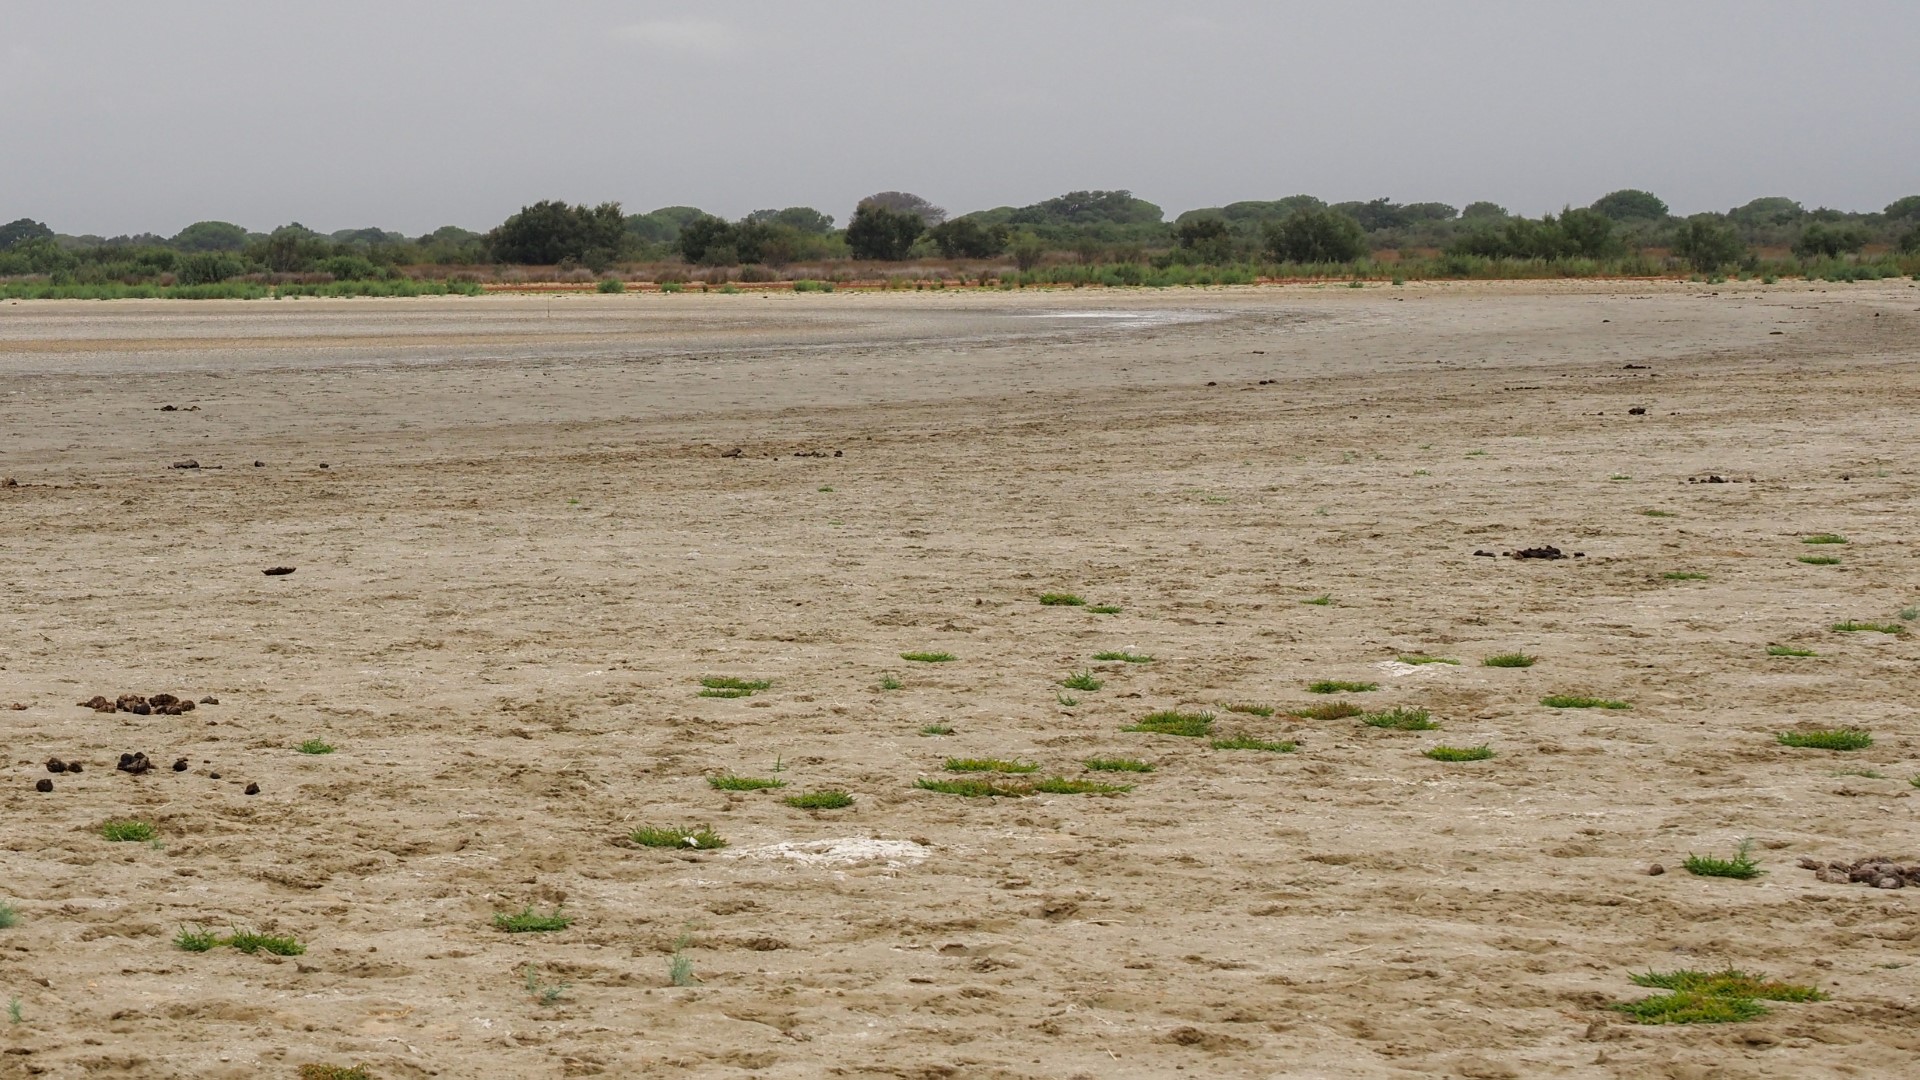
[[611, 285], [1827, 739], [1460, 753], [1338, 686], [820, 800], [1174, 722]]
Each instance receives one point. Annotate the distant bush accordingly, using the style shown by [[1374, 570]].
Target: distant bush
[[877, 232], [611, 285], [208, 268], [1315, 234], [351, 268], [1822, 239], [965, 238], [1708, 243]]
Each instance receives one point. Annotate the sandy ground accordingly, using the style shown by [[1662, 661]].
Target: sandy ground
[[525, 549]]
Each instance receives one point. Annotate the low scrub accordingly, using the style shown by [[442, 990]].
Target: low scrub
[[1827, 739], [1174, 722]]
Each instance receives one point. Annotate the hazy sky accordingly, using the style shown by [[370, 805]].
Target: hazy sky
[[124, 117]]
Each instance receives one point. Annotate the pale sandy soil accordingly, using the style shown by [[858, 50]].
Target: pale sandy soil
[[527, 549]]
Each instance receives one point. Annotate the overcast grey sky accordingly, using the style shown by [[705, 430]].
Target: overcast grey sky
[[124, 117]]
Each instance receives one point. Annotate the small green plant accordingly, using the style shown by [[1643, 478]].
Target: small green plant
[[196, 939], [1401, 719], [1730, 982], [250, 942], [1065, 699], [1692, 1008], [1174, 722], [1578, 701], [8, 915], [927, 657], [1820, 560], [726, 686], [995, 765], [1476, 453], [1742, 866], [1619, 476], [1870, 774], [1248, 742], [1248, 709], [334, 1072], [888, 682], [611, 285], [1418, 659], [1789, 650], [1459, 753], [315, 746], [671, 287], [680, 965], [1124, 657], [1340, 686], [1909, 614], [121, 831], [820, 800], [702, 838], [1062, 599], [1852, 627], [730, 782], [1509, 659], [973, 787], [1824, 538], [1657, 513], [13, 1011], [541, 991], [1846, 738], [1059, 785], [1104, 609], [1330, 710], [828, 488], [936, 729], [529, 921], [1136, 765], [1082, 680], [1683, 575], [1323, 600]]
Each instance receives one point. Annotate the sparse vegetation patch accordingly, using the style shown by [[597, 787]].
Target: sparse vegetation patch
[[1742, 866], [1402, 719], [702, 838], [1248, 742], [1824, 538], [1082, 680], [1062, 599], [1459, 753], [529, 921], [820, 800], [1329, 710], [1124, 657], [130, 830], [1508, 659], [1827, 739], [730, 782], [1820, 560], [927, 657], [1852, 627], [995, 765], [1129, 765], [1580, 701], [1789, 650], [315, 746], [1058, 785], [974, 787], [1174, 722], [1340, 686]]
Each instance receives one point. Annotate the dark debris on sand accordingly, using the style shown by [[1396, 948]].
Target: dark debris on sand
[[1878, 871]]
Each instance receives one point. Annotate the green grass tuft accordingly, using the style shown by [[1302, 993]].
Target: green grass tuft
[[1657, 513], [1248, 709], [1820, 560], [1402, 719], [315, 746], [1789, 650], [250, 942], [1578, 701], [1329, 710], [730, 782], [1422, 658], [994, 765], [1323, 600], [1742, 866], [119, 831], [1339, 686], [1082, 680], [936, 729], [1824, 538], [1692, 1008], [927, 657], [196, 939], [1124, 657], [1248, 742], [1508, 659], [701, 838], [1683, 575], [1730, 982], [1459, 753], [1174, 722], [726, 686], [820, 800], [725, 692], [1104, 609], [974, 787], [1852, 627], [888, 682], [1059, 785], [1134, 765], [9, 915], [1062, 599], [1827, 739], [529, 921]]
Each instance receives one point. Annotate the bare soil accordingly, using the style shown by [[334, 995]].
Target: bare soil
[[520, 538]]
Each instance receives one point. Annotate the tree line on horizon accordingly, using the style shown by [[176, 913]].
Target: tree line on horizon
[[1090, 227]]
